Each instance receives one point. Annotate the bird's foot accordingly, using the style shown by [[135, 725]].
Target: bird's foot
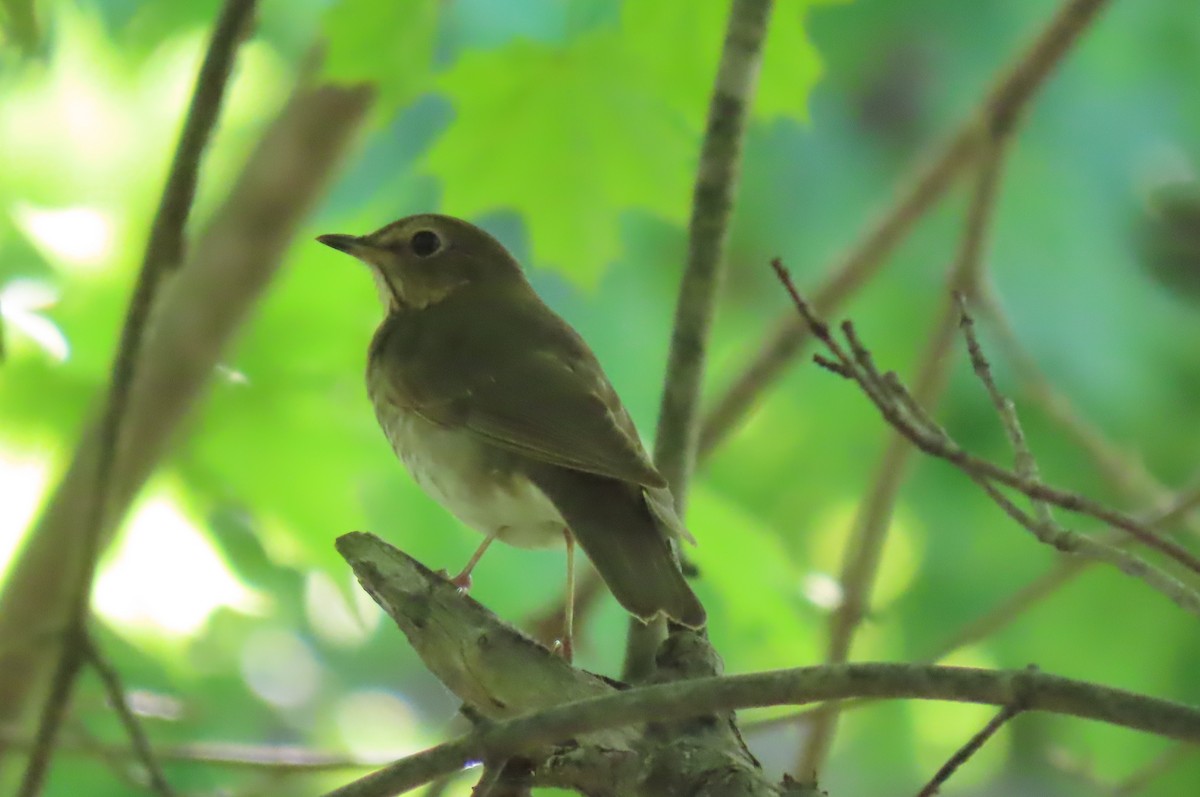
[[461, 582], [564, 648]]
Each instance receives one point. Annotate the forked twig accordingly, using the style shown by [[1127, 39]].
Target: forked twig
[[892, 401]]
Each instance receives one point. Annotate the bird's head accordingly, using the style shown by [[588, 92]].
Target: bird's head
[[421, 260]]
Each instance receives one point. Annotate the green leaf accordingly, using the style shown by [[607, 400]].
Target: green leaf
[[578, 133], [389, 44], [758, 600], [791, 65], [572, 136], [679, 45]]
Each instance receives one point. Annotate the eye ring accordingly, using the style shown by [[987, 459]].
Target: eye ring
[[425, 243]]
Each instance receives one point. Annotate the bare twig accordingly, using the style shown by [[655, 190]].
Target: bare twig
[[984, 626], [976, 742], [704, 696], [163, 252], [274, 759], [139, 742], [1123, 470], [1010, 92], [716, 185], [933, 440], [1023, 459], [865, 548]]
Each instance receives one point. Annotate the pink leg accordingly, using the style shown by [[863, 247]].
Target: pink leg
[[463, 579], [567, 643]]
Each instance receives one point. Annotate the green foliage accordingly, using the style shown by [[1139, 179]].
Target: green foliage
[[389, 45], [609, 121]]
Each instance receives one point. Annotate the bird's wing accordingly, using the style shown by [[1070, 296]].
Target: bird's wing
[[518, 377]]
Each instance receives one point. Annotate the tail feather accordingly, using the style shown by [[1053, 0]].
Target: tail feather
[[628, 542]]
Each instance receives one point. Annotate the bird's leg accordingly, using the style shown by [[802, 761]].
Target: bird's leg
[[567, 643], [463, 579]]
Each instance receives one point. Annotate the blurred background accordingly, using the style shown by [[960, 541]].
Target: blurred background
[[571, 131]]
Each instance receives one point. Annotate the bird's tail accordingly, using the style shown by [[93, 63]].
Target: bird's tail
[[627, 542]]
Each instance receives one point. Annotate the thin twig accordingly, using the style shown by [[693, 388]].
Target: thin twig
[[703, 696], [1082, 545], [864, 550], [1012, 89], [973, 745], [934, 441], [717, 178], [1023, 459], [984, 626], [163, 252], [1123, 470], [138, 740], [272, 759]]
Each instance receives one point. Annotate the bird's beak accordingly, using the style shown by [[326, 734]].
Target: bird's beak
[[350, 244]]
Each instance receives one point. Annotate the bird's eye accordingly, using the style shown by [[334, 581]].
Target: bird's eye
[[425, 243]]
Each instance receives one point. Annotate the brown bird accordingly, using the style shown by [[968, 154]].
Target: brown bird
[[502, 414]]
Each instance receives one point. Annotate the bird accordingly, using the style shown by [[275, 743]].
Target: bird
[[501, 412]]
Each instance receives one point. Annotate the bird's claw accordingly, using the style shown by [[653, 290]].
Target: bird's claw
[[461, 582]]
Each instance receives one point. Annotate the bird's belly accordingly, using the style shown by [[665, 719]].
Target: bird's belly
[[467, 477]]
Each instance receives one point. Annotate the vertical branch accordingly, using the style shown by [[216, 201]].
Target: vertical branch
[[865, 547], [1012, 90], [163, 252], [708, 231]]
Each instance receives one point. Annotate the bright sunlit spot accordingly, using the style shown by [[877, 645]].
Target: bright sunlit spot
[[280, 667], [902, 555], [20, 303], [22, 480], [375, 724], [76, 236], [334, 618], [822, 590], [165, 576]]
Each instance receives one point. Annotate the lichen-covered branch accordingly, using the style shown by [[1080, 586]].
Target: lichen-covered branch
[[1035, 691], [500, 674]]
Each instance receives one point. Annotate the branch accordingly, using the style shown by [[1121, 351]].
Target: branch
[[1018, 603], [1012, 89], [139, 742], [865, 548], [907, 417], [717, 179], [973, 746], [201, 309], [501, 674], [1123, 470], [163, 252], [708, 232], [692, 698]]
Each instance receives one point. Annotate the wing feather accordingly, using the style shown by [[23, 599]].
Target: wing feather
[[516, 375]]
